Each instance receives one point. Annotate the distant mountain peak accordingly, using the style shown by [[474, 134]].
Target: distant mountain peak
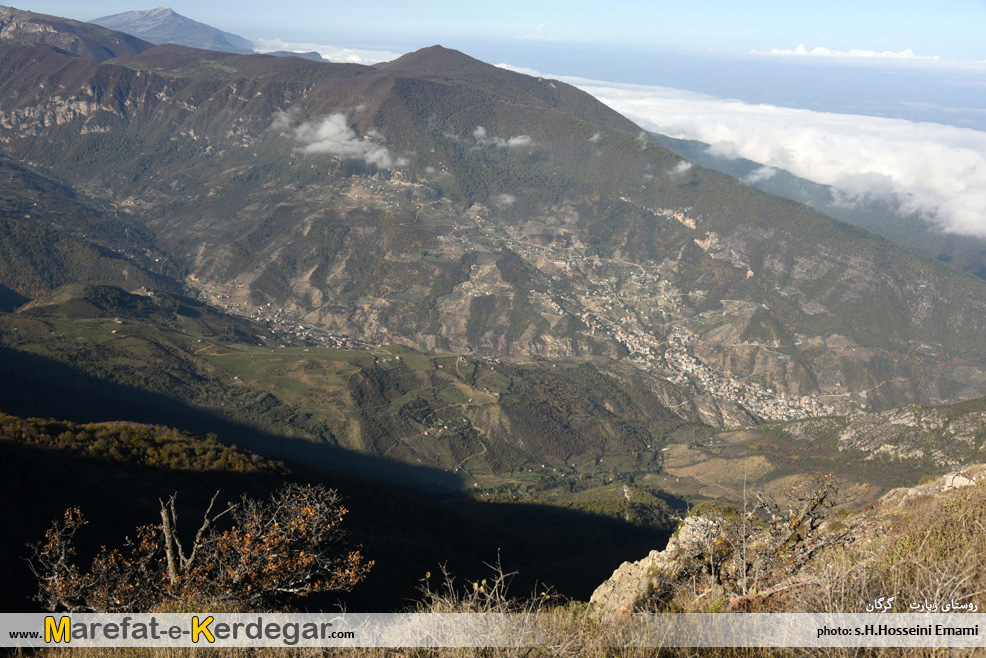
[[160, 12], [165, 25], [140, 16]]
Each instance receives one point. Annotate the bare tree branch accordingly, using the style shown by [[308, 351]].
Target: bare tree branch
[[289, 544]]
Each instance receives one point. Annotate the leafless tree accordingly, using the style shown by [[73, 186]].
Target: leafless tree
[[755, 550], [290, 545]]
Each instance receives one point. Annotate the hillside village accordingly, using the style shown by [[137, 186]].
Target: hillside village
[[636, 305], [283, 324], [639, 307]]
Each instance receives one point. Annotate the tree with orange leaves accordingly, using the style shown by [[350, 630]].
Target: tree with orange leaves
[[290, 545]]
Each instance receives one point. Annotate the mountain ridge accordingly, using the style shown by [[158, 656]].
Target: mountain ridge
[[70, 37]]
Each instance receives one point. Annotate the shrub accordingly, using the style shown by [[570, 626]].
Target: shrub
[[288, 546]]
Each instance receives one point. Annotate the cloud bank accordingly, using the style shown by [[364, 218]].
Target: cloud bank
[[331, 53], [332, 135], [822, 51], [934, 169]]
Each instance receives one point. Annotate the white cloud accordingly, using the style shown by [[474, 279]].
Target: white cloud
[[760, 175], [519, 140], [332, 135], [505, 199], [596, 137], [483, 138], [331, 53], [521, 69], [931, 168], [822, 51], [681, 169]]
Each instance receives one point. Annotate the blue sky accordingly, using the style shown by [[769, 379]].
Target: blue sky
[[950, 29], [871, 97]]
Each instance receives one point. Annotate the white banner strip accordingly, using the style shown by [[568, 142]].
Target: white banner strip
[[540, 629]]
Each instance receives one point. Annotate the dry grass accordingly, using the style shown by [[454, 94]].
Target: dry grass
[[756, 468], [933, 548]]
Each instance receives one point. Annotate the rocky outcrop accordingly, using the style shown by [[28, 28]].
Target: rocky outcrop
[[947, 436], [630, 585], [959, 479], [634, 585]]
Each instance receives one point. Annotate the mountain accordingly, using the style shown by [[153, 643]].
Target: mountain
[[67, 37], [880, 215], [445, 204], [164, 25]]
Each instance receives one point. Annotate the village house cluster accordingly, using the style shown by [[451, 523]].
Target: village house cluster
[[684, 369], [607, 310], [281, 324]]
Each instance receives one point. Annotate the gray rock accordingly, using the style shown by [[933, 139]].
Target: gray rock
[[634, 585]]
